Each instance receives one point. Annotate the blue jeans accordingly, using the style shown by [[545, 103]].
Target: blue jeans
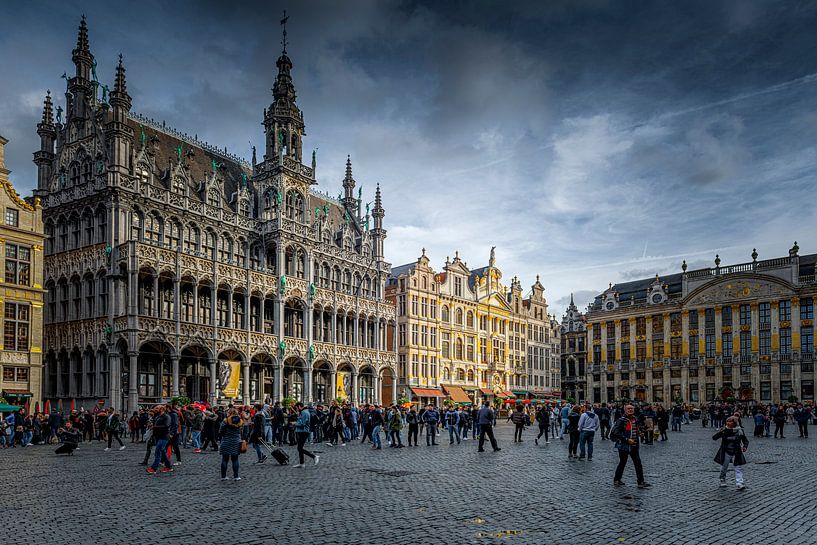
[[453, 431], [376, 437], [586, 437], [268, 433], [475, 430], [27, 437], [196, 438], [565, 422], [258, 451], [161, 454]]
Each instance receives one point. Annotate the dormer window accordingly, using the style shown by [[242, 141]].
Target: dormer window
[[143, 173], [178, 184], [213, 198], [295, 206]]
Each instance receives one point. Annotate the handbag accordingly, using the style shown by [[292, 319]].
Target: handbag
[[242, 447]]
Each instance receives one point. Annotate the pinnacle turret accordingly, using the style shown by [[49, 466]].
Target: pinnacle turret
[[120, 99], [48, 111], [81, 55]]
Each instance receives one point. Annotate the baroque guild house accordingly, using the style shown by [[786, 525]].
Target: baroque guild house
[[175, 268]]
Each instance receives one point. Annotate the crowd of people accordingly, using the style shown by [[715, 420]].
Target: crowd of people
[[166, 430]]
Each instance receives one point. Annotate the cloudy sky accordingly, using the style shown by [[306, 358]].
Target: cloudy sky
[[590, 141]]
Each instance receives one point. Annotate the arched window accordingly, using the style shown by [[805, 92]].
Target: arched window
[[459, 316], [460, 375], [300, 264], [470, 375], [295, 206], [213, 198], [446, 374], [153, 228], [179, 185], [425, 283], [445, 316], [209, 249], [136, 225], [101, 224], [347, 281], [192, 239], [225, 249], [326, 275], [241, 252], [458, 349], [75, 232], [469, 320], [172, 234], [88, 227], [336, 278], [73, 174], [244, 207], [143, 173]]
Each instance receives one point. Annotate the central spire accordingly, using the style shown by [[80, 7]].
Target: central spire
[[283, 121]]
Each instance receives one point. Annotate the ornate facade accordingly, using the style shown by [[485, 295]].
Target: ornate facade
[[467, 332], [171, 263], [574, 354], [21, 294], [744, 331]]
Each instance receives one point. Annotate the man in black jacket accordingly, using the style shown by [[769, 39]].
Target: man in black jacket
[[604, 420], [486, 426], [627, 436], [161, 433]]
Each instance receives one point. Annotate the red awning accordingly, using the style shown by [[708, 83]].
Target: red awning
[[426, 392], [457, 394], [507, 394], [486, 391]]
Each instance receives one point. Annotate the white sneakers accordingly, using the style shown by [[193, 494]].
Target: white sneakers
[[300, 465], [317, 459], [107, 449], [122, 447]]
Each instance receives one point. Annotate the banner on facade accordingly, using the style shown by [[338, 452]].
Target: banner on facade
[[343, 385], [229, 374]]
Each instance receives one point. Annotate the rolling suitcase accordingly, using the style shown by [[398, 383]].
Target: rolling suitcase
[[280, 456]]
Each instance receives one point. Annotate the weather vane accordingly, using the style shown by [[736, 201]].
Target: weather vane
[[284, 24]]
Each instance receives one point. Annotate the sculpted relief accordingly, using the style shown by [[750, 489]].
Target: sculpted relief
[[730, 290]]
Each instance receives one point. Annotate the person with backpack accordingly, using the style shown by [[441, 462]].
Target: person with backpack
[[302, 434], [413, 425], [258, 432], [603, 412], [452, 422], [377, 425], [395, 425], [733, 444], [335, 428], [543, 419], [465, 423], [588, 425], [486, 427], [520, 420]]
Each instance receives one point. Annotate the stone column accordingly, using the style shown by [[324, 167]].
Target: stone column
[[775, 334], [115, 380], [196, 317], [277, 381], [353, 393], [213, 380], [176, 299], [157, 298], [174, 369], [333, 384], [133, 391], [795, 348], [229, 321], [307, 383], [245, 385]]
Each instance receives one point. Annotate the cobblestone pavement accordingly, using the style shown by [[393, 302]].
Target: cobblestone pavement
[[444, 494]]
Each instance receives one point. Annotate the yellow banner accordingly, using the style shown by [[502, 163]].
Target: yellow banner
[[229, 375], [343, 386]]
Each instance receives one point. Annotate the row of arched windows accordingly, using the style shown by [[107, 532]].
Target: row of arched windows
[[458, 316], [77, 230]]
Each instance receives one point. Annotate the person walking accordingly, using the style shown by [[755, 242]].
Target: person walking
[[230, 443], [430, 419], [733, 444], [520, 420], [302, 434], [588, 425], [160, 434], [377, 425], [543, 419], [564, 415], [779, 421], [662, 421], [573, 431], [603, 413], [113, 427], [413, 426], [258, 433], [395, 425], [486, 426], [452, 422], [802, 415], [626, 434]]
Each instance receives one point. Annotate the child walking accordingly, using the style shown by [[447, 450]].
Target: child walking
[[733, 444]]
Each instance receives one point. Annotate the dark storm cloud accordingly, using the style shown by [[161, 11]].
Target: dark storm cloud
[[590, 141]]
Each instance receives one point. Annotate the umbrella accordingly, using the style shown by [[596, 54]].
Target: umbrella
[[5, 408]]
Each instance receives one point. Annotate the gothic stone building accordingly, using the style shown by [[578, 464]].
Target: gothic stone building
[[744, 331], [171, 264], [574, 354], [464, 335]]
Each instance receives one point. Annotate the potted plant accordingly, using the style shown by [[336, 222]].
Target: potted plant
[[288, 402], [340, 400], [180, 401], [792, 399], [403, 400]]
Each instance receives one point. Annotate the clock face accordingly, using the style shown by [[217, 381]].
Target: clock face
[[610, 305], [656, 298]]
